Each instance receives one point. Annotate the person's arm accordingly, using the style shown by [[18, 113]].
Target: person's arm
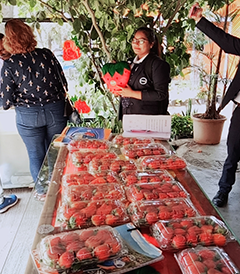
[[229, 43], [8, 87]]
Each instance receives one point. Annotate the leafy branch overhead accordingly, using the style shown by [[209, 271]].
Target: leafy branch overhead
[[103, 29]]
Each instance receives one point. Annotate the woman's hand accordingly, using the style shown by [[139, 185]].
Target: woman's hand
[[128, 92], [195, 12]]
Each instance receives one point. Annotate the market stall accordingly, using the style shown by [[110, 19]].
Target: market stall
[[147, 184]]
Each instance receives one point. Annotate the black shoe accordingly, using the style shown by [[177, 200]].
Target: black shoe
[[220, 199]]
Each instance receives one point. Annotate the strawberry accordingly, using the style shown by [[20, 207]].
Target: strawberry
[[186, 223], [207, 254], [84, 254], [209, 263], [213, 271], [75, 246], [98, 220], [104, 235], [85, 234], [151, 217], [194, 230], [93, 241], [192, 239], [77, 220], [89, 210], [219, 239], [102, 252], [179, 231], [104, 209], [179, 241], [197, 268], [55, 252], [114, 245], [226, 270], [79, 205], [112, 220], [164, 215], [116, 74], [189, 258], [66, 259], [70, 237], [205, 238], [167, 232]]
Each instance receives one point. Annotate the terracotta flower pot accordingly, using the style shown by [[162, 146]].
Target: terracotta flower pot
[[207, 131]]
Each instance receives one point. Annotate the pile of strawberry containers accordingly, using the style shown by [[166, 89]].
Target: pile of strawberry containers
[[109, 183]]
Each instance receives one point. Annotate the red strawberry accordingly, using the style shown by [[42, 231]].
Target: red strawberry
[[194, 230], [186, 223], [226, 270], [104, 235], [164, 215], [207, 228], [66, 259], [77, 220], [219, 239], [209, 263], [192, 239], [213, 271], [79, 205], [84, 254], [112, 219], [104, 209], [179, 231], [98, 220], [55, 252], [70, 237], [93, 241], [89, 210], [189, 258], [179, 241], [151, 217], [114, 245], [102, 252], [206, 238], [207, 254], [75, 246], [196, 268], [167, 232], [85, 234]]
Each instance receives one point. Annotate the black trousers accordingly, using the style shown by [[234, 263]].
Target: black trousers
[[233, 148]]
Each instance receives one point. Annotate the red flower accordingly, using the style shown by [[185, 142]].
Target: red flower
[[70, 51], [82, 107]]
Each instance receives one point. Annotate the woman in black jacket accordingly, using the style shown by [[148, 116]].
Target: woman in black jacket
[[147, 89]]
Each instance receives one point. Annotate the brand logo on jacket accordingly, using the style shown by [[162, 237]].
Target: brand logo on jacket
[[143, 81]]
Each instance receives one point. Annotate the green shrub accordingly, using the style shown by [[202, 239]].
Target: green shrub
[[181, 127]]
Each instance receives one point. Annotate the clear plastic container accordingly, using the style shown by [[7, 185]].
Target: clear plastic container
[[154, 191], [79, 158], [146, 213], [82, 214], [119, 140], [161, 162], [90, 192], [202, 230], [88, 144], [114, 165], [136, 151], [72, 250], [210, 260], [130, 177], [86, 178]]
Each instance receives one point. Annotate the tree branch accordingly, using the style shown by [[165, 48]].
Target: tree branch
[[86, 4]]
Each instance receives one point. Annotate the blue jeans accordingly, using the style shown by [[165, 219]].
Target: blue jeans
[[37, 126]]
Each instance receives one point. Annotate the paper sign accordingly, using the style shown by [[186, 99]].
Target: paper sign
[[158, 126]]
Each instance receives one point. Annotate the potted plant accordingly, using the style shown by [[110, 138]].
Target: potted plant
[[207, 127]]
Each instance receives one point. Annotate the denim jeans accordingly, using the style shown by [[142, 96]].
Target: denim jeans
[[37, 126]]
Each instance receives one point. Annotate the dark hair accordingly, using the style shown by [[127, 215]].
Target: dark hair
[[152, 38], [1, 36]]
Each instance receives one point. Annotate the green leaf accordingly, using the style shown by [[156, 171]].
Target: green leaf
[[12, 2], [111, 68], [32, 3], [60, 21], [77, 25]]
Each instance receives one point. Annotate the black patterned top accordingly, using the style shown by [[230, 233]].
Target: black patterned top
[[31, 79]]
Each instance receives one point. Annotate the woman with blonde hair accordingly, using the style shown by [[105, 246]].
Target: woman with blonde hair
[[30, 83]]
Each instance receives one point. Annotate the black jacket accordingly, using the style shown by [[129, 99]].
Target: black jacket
[[230, 44], [153, 82]]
